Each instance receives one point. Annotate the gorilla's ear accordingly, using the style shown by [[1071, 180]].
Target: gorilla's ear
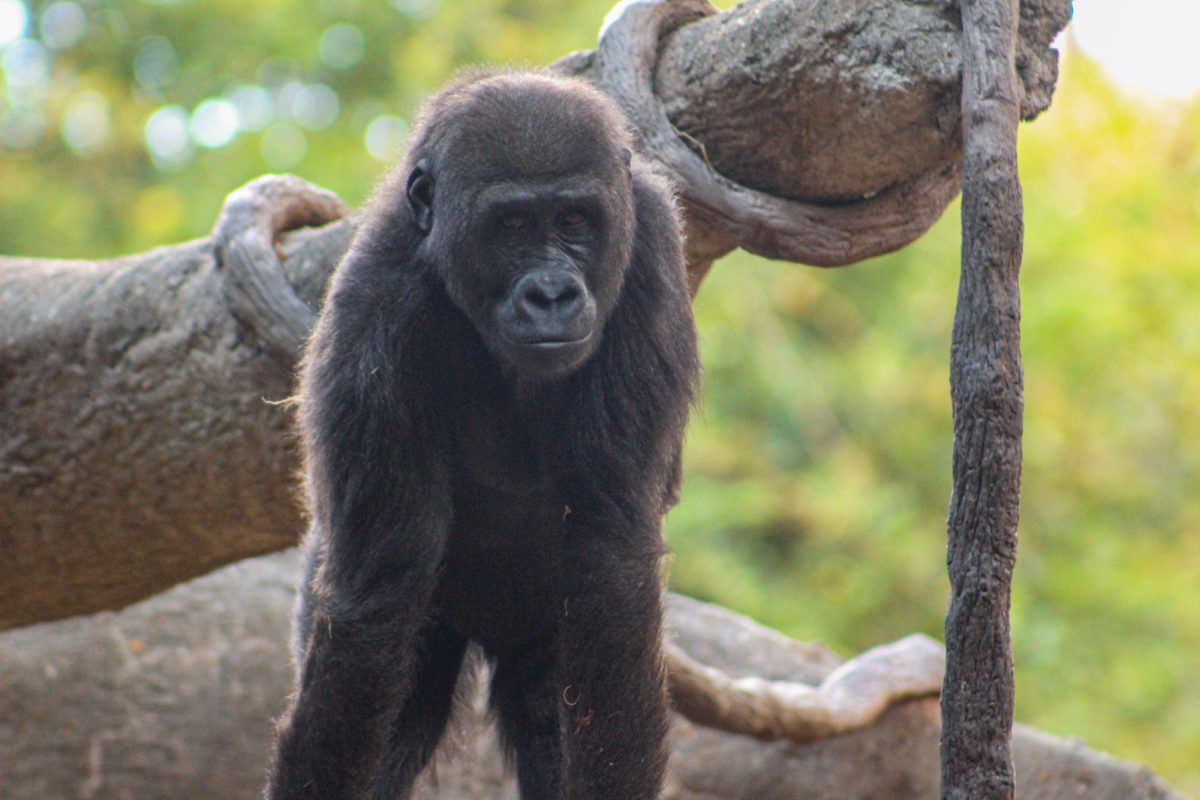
[[420, 195]]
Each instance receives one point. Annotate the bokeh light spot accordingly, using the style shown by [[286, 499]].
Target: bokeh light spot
[[416, 8], [63, 25], [342, 46], [167, 137], [26, 70], [214, 123], [255, 107], [86, 125], [386, 136], [156, 64], [13, 20], [313, 105], [22, 127]]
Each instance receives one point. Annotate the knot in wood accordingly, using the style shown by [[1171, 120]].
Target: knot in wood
[[259, 295], [728, 213]]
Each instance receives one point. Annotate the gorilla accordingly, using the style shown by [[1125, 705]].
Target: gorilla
[[492, 408]]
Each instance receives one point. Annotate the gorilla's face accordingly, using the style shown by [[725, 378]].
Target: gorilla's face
[[545, 264], [531, 244]]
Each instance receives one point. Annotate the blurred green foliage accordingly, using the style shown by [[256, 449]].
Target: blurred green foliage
[[819, 466], [818, 470]]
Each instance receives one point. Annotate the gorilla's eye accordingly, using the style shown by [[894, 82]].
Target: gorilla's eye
[[572, 219]]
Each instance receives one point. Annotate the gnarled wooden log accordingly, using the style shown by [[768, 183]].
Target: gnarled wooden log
[[863, 97], [174, 698], [143, 440], [138, 441]]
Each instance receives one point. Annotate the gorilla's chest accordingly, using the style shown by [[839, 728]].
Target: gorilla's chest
[[511, 449], [500, 577]]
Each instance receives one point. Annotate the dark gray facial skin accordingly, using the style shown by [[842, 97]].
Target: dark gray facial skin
[[528, 255], [530, 222]]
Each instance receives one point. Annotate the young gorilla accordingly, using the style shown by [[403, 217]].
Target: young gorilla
[[492, 408]]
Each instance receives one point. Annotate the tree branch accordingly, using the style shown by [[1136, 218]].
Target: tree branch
[[833, 103], [776, 227], [259, 293], [987, 389], [175, 697], [823, 133], [142, 439], [136, 449], [851, 697]]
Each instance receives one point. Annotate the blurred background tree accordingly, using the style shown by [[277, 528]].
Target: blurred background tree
[[819, 466]]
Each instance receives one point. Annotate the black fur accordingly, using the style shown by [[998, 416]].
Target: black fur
[[473, 476]]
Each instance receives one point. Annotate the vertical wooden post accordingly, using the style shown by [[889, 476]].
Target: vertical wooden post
[[986, 385]]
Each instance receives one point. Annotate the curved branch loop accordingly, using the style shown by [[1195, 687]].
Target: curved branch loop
[[259, 294], [850, 698], [809, 233]]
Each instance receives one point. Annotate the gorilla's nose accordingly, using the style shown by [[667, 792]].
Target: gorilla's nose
[[550, 296]]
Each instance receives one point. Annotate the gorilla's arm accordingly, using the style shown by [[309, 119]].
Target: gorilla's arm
[[380, 504]]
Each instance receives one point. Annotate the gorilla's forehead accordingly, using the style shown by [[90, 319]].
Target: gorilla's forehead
[[529, 190], [514, 127], [534, 147]]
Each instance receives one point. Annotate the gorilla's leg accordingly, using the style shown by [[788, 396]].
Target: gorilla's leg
[[616, 722], [421, 721], [527, 697], [358, 668]]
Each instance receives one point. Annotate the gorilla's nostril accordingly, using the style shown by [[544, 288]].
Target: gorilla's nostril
[[568, 296], [539, 299], [552, 293]]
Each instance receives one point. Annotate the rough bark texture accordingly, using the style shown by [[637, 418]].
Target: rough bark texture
[[986, 385], [137, 448], [137, 444], [174, 698], [848, 699], [142, 439], [733, 215], [863, 96]]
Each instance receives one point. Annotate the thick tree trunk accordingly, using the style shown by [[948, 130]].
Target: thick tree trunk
[[137, 446], [823, 133], [139, 443], [987, 388], [174, 698], [863, 96], [144, 428]]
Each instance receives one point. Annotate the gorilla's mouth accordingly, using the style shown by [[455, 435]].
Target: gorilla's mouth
[[546, 356], [548, 338], [552, 343]]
